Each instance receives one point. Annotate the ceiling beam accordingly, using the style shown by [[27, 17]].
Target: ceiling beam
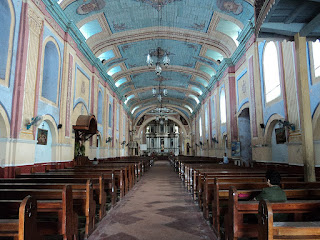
[[308, 28], [272, 10], [296, 12]]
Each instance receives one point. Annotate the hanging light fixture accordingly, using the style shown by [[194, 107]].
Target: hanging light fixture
[[166, 60], [165, 92], [154, 92], [149, 60], [159, 53], [159, 97]]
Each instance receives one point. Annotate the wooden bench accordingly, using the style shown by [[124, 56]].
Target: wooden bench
[[207, 191], [109, 180], [269, 230], [55, 202], [82, 195], [236, 228], [25, 227]]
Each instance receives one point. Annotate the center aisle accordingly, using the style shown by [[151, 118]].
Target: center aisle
[[157, 208]]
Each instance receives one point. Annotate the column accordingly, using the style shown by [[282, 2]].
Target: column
[[304, 109]]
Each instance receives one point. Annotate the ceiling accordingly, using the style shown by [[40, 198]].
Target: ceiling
[[196, 35], [283, 19]]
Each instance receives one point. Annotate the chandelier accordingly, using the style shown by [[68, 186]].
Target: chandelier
[[161, 117], [161, 93], [158, 53]]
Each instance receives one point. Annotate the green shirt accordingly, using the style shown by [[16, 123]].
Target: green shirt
[[273, 194]]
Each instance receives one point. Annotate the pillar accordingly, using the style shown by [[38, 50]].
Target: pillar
[[304, 109]]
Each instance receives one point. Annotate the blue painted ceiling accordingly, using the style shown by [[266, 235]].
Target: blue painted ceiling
[[212, 25]]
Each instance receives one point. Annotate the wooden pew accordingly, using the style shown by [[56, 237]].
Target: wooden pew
[[269, 230], [56, 202], [109, 179], [83, 202], [206, 196], [25, 227], [76, 184], [235, 228]]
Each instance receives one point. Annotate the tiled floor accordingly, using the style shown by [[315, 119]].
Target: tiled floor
[[157, 208]]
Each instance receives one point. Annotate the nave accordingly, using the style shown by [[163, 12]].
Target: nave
[[157, 208]]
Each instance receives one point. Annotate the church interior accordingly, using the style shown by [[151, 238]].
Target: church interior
[[158, 119]]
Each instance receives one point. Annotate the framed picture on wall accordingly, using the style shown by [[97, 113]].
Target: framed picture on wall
[[42, 136], [235, 149]]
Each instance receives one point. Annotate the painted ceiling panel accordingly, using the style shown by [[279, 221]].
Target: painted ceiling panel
[[179, 52], [191, 57]]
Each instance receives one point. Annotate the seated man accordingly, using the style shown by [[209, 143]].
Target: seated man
[[273, 193]]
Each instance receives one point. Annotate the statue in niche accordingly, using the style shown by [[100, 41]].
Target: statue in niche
[[140, 121], [230, 6], [94, 5], [184, 122]]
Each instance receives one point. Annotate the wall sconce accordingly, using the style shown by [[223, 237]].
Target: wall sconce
[[59, 126], [262, 125], [34, 121], [109, 139], [123, 143]]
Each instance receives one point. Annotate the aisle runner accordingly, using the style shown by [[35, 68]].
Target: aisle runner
[[157, 208]]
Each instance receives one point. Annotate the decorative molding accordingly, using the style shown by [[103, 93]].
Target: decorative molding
[[35, 22]]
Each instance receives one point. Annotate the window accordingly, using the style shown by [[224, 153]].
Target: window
[[316, 57], [271, 72], [7, 19], [223, 110], [206, 120], [110, 115], [51, 69]]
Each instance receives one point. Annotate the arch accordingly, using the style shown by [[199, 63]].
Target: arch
[[53, 127], [316, 123], [6, 38], [4, 136], [143, 125], [4, 123], [47, 153], [244, 106], [272, 121], [51, 70], [148, 108], [244, 130]]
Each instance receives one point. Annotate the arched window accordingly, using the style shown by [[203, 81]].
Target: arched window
[[223, 110], [51, 71], [200, 127], [6, 38], [316, 57], [99, 115], [206, 121], [212, 114], [271, 72]]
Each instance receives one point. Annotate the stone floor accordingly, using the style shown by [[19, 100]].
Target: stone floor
[[157, 208]]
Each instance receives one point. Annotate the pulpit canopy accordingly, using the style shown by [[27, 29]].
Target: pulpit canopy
[[86, 124]]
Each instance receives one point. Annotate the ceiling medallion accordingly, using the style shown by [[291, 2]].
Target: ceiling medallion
[[157, 4]]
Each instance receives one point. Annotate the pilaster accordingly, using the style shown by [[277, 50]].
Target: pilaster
[[304, 109]]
